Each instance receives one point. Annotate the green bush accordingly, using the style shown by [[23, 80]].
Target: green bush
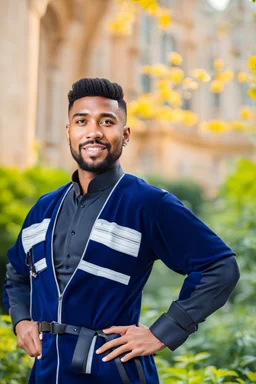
[[15, 365]]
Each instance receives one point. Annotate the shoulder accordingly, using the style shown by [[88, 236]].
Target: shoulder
[[41, 207], [148, 196], [143, 189], [52, 195]]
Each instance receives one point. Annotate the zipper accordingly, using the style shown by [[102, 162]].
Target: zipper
[[60, 296], [31, 294], [60, 300]]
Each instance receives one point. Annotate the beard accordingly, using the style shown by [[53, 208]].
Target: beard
[[98, 166]]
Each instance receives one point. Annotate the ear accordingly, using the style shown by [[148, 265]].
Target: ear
[[126, 134], [67, 134]]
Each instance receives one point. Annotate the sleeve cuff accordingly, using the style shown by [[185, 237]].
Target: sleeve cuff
[[18, 314], [174, 327]]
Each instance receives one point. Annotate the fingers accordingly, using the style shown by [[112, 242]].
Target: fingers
[[30, 346], [38, 344], [131, 355], [118, 329], [111, 344], [117, 352], [28, 338]]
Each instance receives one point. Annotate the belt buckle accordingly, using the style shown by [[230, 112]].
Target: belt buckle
[[57, 328], [52, 324]]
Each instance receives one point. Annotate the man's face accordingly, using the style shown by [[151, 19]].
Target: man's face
[[96, 133]]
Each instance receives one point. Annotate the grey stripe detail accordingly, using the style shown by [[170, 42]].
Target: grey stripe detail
[[31, 296], [34, 234], [40, 265], [104, 272], [117, 237], [90, 355]]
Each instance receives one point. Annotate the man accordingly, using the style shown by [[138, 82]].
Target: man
[[76, 273]]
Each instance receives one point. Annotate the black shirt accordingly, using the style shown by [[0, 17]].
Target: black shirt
[[75, 220]]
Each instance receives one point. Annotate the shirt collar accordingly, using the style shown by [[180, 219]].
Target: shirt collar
[[101, 182]]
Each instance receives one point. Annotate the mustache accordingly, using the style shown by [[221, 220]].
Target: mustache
[[107, 145]]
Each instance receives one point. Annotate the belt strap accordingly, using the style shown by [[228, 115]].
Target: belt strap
[[83, 345]]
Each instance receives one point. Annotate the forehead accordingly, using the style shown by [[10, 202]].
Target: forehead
[[95, 105]]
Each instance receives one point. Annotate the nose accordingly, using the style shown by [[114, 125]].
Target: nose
[[93, 132]]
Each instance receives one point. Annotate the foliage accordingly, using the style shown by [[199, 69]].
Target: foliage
[[173, 87], [123, 22], [187, 191], [15, 365]]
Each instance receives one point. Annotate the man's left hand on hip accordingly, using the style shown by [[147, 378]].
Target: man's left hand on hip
[[134, 341]]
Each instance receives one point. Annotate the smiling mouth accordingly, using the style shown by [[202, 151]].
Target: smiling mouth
[[94, 149]]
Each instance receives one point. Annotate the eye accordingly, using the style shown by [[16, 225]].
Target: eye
[[107, 122], [80, 121]]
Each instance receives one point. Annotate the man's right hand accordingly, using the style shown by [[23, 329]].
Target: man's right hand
[[28, 338]]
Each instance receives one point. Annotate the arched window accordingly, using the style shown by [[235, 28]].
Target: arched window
[[168, 44], [146, 42]]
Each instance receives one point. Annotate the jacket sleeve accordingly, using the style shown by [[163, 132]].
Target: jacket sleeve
[[186, 245], [17, 295]]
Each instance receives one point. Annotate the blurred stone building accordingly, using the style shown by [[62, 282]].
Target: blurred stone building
[[46, 45]]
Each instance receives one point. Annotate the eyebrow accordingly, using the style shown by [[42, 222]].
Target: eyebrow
[[104, 114]]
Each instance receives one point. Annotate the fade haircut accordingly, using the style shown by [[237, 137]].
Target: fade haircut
[[97, 87]]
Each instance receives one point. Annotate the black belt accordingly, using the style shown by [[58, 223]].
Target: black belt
[[81, 353]]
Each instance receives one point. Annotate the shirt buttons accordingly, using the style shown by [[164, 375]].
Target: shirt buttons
[[72, 232], [82, 205], [68, 256]]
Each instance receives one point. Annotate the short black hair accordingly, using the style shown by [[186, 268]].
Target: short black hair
[[97, 87]]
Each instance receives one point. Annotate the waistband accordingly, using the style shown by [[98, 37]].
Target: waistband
[[84, 350]]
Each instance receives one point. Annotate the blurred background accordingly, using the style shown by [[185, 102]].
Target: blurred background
[[188, 70]]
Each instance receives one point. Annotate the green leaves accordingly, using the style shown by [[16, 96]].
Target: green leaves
[[15, 365]]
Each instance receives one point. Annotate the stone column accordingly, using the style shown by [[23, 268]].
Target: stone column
[[19, 45]]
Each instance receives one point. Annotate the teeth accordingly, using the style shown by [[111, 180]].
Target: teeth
[[94, 149]]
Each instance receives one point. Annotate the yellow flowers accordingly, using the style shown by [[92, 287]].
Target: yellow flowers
[[252, 64], [242, 77], [165, 104], [218, 64], [246, 113], [238, 126], [158, 70], [176, 75], [252, 77], [146, 69], [216, 86], [164, 18], [175, 99], [149, 5], [189, 83], [252, 93], [123, 22], [144, 107], [201, 75], [175, 58], [189, 118], [216, 126], [225, 76]]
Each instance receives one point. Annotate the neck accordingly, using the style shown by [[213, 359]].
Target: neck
[[86, 177]]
